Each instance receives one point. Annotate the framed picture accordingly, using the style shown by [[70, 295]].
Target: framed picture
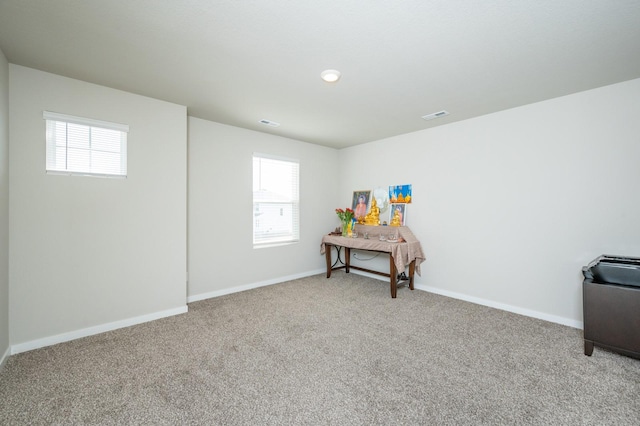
[[400, 194], [381, 195], [399, 209], [360, 203]]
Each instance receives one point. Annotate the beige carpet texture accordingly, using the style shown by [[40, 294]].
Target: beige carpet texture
[[318, 351]]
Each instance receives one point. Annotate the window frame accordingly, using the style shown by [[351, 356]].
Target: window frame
[[51, 167], [278, 239]]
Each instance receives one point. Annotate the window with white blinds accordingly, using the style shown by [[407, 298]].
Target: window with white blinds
[[276, 201], [83, 146]]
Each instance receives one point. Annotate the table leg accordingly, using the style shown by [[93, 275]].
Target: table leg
[[393, 276], [327, 253], [347, 260], [412, 271]]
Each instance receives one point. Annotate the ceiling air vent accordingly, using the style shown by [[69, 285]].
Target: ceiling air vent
[[435, 115], [269, 123]]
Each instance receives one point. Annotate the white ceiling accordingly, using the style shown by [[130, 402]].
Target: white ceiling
[[240, 61]]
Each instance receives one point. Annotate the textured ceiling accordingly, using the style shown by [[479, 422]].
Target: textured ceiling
[[240, 61]]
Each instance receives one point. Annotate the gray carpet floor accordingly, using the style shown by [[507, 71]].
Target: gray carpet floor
[[319, 351]]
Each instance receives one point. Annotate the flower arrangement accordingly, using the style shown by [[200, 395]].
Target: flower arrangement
[[346, 216]]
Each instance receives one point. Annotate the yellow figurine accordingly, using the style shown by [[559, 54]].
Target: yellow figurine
[[397, 219], [373, 217]]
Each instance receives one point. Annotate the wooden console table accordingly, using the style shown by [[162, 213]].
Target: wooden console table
[[409, 252]]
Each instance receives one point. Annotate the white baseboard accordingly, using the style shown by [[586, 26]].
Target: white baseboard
[[4, 358], [90, 331], [370, 275], [504, 307], [485, 302], [230, 290]]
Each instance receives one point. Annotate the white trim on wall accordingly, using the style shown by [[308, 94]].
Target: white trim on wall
[[478, 301], [90, 331], [4, 358], [250, 286], [489, 303], [503, 307]]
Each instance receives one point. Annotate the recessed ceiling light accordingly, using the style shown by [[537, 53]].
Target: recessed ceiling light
[[330, 76]]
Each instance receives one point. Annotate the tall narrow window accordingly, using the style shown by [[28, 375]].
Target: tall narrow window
[[276, 202], [84, 146]]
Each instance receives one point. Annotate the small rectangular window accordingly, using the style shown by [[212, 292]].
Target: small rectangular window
[[276, 201], [83, 146]]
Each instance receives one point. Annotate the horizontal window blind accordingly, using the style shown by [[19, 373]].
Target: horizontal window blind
[[276, 200], [77, 145]]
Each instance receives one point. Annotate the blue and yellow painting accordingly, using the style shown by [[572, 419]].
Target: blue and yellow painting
[[400, 194]]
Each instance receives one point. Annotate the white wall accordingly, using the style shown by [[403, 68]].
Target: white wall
[[508, 206], [511, 205], [4, 208], [85, 252], [221, 254]]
